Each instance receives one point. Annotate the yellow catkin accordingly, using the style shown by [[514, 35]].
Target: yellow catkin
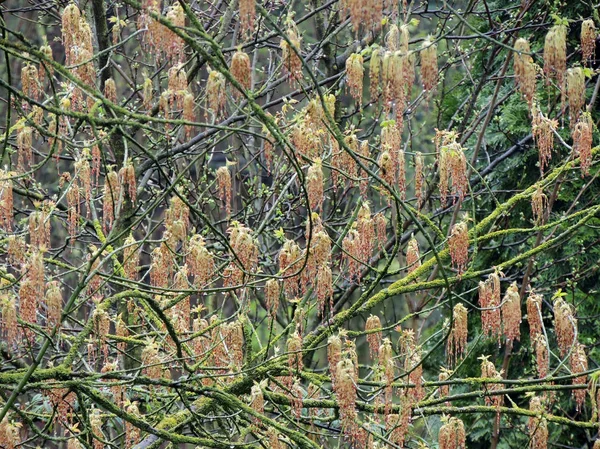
[[215, 94], [46, 69], [555, 54], [575, 93], [200, 261], [375, 74], [147, 92], [189, 114]]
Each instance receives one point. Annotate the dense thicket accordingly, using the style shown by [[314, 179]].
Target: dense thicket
[[354, 223]]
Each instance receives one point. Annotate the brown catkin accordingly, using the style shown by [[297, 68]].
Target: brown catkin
[[543, 130], [177, 86], [6, 201], [452, 434], [132, 433], [315, 181], [452, 166], [525, 70], [444, 389], [110, 90], [9, 323], [241, 71], [345, 391], [334, 355], [387, 167], [355, 73], [128, 179], [582, 142], [112, 191], [272, 295], [39, 228], [488, 370], [234, 340], [9, 434], [247, 16], [294, 348], [324, 288], [292, 63], [539, 206], [244, 245], [54, 306], [579, 364], [537, 425], [401, 174], [489, 301], [397, 424], [131, 258], [30, 83], [419, 179], [223, 177], [173, 45], [373, 329], [565, 325], [542, 363], [429, 65], [24, 148], [289, 258], [534, 314], [257, 402], [413, 258], [366, 232], [511, 313], [457, 340], [386, 368], [588, 40], [458, 243], [364, 14], [352, 254]]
